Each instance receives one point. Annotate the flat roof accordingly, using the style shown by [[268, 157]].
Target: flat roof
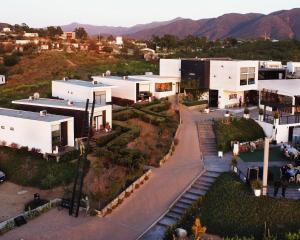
[[289, 87], [83, 83], [31, 115], [57, 103], [121, 78], [154, 78]]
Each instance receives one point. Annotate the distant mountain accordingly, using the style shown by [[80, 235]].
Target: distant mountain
[[3, 25], [109, 30], [278, 25]]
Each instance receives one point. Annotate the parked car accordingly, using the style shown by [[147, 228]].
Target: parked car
[[2, 177]]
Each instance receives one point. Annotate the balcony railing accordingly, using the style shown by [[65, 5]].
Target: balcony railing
[[283, 120]]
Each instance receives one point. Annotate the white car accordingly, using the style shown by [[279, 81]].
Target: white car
[[2, 177]]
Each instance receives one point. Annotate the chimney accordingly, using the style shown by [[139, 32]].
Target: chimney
[[125, 77], [103, 74], [30, 98], [43, 113]]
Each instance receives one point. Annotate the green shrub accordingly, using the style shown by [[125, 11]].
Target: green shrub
[[194, 103], [11, 60], [69, 156], [239, 213], [242, 130]]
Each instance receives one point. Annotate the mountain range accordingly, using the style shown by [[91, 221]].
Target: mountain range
[[279, 25]]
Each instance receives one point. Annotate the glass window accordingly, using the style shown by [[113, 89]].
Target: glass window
[[247, 76], [100, 97], [163, 87]]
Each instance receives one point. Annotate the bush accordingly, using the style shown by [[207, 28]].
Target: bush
[[242, 130], [69, 156], [239, 213], [194, 103], [33, 204], [11, 60]]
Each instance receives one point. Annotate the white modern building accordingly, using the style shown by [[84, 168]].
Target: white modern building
[[160, 86], [31, 35], [140, 87], [80, 91], [270, 64], [233, 80], [294, 67], [225, 83], [102, 112], [132, 90], [2, 79], [6, 30], [36, 130], [119, 41]]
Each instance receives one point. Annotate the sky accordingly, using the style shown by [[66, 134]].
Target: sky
[[41, 13]]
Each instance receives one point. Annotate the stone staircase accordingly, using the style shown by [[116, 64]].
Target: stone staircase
[[291, 193], [199, 188], [207, 139]]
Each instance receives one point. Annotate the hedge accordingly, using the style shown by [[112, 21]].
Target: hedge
[[239, 213], [242, 130], [231, 210], [194, 103]]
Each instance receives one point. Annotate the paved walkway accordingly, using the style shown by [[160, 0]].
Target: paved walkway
[[138, 212]]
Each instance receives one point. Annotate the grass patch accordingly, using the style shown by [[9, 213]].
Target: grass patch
[[230, 210], [258, 155], [29, 170], [242, 130], [239, 212]]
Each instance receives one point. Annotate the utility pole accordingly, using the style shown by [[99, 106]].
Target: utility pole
[[266, 166]]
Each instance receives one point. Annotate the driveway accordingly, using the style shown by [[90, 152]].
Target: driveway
[[13, 198], [140, 210]]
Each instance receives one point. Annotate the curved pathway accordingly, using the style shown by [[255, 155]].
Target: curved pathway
[[140, 210]]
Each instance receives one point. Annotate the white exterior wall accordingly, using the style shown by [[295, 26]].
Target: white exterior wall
[[32, 134], [170, 67], [270, 64], [2, 79], [108, 109], [225, 77], [291, 66], [77, 93], [225, 101], [282, 131], [123, 88]]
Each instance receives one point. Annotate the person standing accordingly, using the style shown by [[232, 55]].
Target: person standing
[[277, 185], [284, 185]]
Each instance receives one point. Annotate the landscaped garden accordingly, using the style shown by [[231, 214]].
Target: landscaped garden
[[142, 135], [242, 130], [30, 169], [239, 213]]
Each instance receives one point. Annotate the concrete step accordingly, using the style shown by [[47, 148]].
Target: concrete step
[[191, 196], [213, 174], [196, 191], [178, 210], [185, 200], [206, 180], [202, 185], [182, 205], [167, 221], [174, 215]]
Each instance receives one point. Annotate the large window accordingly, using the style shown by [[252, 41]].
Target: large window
[[100, 97], [163, 87], [56, 136], [247, 76]]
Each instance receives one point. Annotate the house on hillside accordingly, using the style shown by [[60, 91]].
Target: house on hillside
[[132, 89], [68, 36], [30, 35], [225, 83], [2, 80], [102, 118], [50, 134]]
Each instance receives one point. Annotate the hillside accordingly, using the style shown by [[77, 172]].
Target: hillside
[[35, 72], [277, 25]]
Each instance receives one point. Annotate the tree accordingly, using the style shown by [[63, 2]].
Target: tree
[[11, 60], [81, 33], [54, 31]]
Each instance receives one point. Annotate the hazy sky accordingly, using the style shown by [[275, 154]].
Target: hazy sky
[[40, 13]]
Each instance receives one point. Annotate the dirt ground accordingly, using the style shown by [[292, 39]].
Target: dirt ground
[[13, 198]]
